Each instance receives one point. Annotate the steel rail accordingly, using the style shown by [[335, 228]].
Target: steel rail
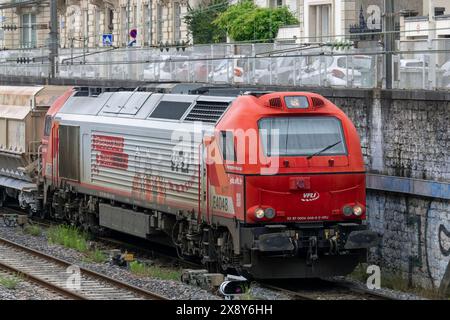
[[338, 285], [95, 275], [41, 282]]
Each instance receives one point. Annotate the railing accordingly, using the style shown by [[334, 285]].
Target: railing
[[416, 65]]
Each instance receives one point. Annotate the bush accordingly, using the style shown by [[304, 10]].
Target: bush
[[245, 21], [199, 22]]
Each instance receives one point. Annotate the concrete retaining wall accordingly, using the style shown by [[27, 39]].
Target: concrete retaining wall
[[407, 135]]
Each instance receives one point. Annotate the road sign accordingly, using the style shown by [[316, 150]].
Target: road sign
[[107, 39]]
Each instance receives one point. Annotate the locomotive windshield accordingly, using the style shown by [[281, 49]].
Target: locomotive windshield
[[301, 136]]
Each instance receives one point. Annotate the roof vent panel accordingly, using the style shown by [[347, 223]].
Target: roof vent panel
[[207, 111]]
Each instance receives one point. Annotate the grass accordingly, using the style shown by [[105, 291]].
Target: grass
[[393, 281], [247, 296], [68, 236], [397, 282], [72, 237], [96, 256], [153, 271], [359, 273], [10, 282], [33, 230]]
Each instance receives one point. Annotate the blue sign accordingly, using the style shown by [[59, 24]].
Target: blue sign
[[107, 39]]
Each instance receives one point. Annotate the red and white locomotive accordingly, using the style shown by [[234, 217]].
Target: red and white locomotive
[[268, 184]]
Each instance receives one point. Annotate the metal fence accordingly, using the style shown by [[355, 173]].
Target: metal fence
[[415, 66]]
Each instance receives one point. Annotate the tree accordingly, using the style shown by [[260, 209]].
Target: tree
[[199, 22], [245, 21]]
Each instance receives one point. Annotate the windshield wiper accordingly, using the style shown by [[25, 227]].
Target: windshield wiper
[[323, 150]]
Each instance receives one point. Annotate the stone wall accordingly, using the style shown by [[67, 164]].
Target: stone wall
[[406, 135]]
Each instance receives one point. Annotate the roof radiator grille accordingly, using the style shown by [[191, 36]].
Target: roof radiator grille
[[207, 111]]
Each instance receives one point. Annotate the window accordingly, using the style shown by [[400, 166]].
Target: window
[[124, 23], [160, 22], [176, 22], [148, 24], [276, 3], [27, 23], [227, 146], [301, 136], [47, 125], [86, 25], [110, 20], [320, 22], [98, 36], [296, 102]]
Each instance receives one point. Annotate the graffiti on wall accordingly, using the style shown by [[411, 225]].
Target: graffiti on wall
[[437, 245]]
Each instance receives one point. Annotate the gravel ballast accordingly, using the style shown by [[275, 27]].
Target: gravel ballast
[[175, 290], [168, 288]]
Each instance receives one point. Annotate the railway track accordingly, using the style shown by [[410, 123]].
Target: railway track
[[53, 273], [42, 290], [320, 289]]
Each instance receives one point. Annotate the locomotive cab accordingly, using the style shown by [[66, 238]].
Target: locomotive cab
[[297, 161]]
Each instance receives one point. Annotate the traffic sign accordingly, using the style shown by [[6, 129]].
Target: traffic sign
[[107, 39]]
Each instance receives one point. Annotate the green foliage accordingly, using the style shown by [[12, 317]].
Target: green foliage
[[245, 21], [33, 230], [10, 282], [360, 273], [68, 236], [142, 269], [96, 256], [199, 22]]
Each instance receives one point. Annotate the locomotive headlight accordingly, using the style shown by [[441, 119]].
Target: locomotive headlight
[[259, 213], [357, 210], [347, 210], [269, 213]]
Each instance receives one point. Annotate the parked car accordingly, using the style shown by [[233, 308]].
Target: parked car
[[278, 70], [167, 69], [445, 71], [413, 74], [334, 71], [199, 71], [412, 63], [228, 70]]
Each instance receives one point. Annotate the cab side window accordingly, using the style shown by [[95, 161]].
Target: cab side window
[[47, 125], [227, 146]]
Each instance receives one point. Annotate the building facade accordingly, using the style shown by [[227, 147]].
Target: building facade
[[93, 23], [325, 20]]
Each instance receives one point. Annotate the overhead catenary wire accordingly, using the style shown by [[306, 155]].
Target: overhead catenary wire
[[322, 54]]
